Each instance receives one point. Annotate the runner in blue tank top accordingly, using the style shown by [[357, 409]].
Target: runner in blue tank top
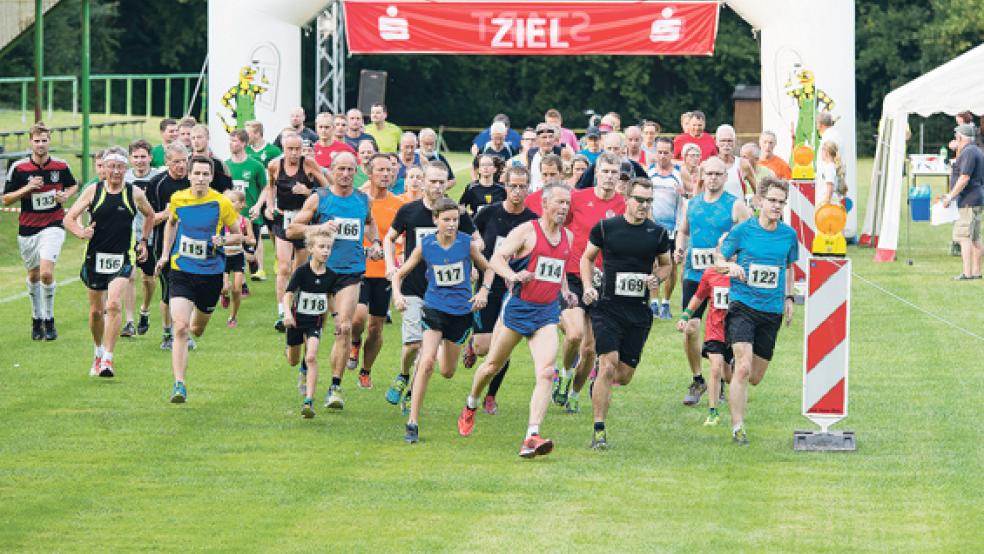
[[708, 216], [348, 214], [761, 293], [448, 300]]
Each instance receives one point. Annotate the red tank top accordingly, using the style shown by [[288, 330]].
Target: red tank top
[[546, 263]]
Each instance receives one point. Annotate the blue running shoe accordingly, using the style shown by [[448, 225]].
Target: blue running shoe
[[657, 310], [179, 393], [413, 434], [396, 389]]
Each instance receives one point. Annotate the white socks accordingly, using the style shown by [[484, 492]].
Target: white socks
[[471, 402], [98, 351], [34, 292], [48, 300], [532, 430]]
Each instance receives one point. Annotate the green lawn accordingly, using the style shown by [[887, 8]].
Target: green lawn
[[89, 465]]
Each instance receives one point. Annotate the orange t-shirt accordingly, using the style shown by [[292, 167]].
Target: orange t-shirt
[[778, 166], [383, 212]]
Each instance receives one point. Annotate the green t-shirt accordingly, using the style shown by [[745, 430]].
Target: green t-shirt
[[250, 177], [360, 177], [265, 154], [157, 156], [388, 139]]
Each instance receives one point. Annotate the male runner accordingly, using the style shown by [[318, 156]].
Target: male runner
[[447, 256], [761, 294], [739, 178], [494, 223], [708, 216], [668, 203], [169, 133], [42, 184], [193, 240], [111, 205], [221, 181], [621, 318], [588, 206], [249, 177], [414, 221], [348, 214], [291, 180], [374, 295], [139, 175], [531, 259], [257, 147], [326, 147], [355, 131]]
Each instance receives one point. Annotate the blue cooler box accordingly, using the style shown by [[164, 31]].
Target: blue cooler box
[[919, 197]]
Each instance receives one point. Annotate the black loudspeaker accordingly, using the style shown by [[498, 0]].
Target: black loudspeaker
[[372, 89]]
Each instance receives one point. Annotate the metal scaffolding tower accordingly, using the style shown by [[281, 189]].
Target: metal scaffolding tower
[[329, 95]]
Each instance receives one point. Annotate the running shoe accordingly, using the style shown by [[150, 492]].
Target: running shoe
[[224, 299], [302, 379], [599, 440], [739, 436], [307, 409], [395, 390], [573, 405], [143, 325], [365, 380], [253, 266], [106, 368], [167, 341], [94, 370], [491, 407], [696, 390], [279, 325], [334, 399], [562, 388], [389, 318], [656, 309], [534, 446], [258, 276], [232, 323], [466, 421], [37, 329], [191, 343], [413, 434], [468, 357], [713, 418], [353, 360], [179, 393], [128, 330], [245, 291], [665, 311], [50, 333]]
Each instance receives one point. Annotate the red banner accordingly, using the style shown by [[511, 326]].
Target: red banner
[[531, 28]]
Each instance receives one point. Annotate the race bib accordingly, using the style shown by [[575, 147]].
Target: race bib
[[309, 303], [449, 275], [239, 185], [108, 264], [422, 232], [763, 276], [498, 243], [289, 216], [701, 258], [549, 270], [630, 284], [596, 276], [43, 200], [348, 228], [719, 298], [191, 248]]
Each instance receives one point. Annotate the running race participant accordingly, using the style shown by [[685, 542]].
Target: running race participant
[[708, 216], [264, 152], [139, 175], [193, 240], [159, 192], [636, 258], [761, 294], [668, 203], [169, 133], [447, 256], [376, 290], [485, 190], [111, 205], [326, 147], [531, 259], [714, 288], [221, 181], [588, 207], [292, 179], [739, 180], [495, 223], [235, 260], [307, 300], [415, 221], [42, 184], [348, 214], [249, 177]]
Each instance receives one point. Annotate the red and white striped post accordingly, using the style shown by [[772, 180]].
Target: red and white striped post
[[802, 196], [826, 348]]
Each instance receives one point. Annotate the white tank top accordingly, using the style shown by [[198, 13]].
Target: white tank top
[[732, 184]]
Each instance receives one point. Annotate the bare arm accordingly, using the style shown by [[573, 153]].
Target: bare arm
[[415, 258], [313, 171], [302, 220], [71, 220], [587, 270], [682, 237], [389, 251], [168, 243], [33, 184], [514, 242]]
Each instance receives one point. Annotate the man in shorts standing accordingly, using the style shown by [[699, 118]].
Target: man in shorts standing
[[967, 188], [139, 175], [42, 184], [761, 294]]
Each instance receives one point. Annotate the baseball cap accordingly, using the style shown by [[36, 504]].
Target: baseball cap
[[544, 128], [967, 129], [593, 132], [626, 171]]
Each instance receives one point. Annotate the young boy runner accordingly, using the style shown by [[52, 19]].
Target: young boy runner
[[306, 299], [448, 301], [235, 264]]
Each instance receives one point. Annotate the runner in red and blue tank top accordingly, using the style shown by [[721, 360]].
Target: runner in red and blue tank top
[[531, 260]]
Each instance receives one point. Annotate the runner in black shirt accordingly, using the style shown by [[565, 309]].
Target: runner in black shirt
[[486, 190]]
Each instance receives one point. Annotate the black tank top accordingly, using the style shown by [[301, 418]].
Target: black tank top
[[286, 199], [113, 216]]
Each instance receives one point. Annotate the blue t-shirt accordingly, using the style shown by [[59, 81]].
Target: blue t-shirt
[[512, 137], [448, 274], [764, 255], [708, 221], [591, 156], [350, 213]]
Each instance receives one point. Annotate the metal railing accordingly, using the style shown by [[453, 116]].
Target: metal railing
[[150, 81]]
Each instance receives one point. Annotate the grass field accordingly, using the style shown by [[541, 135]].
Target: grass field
[[89, 465]]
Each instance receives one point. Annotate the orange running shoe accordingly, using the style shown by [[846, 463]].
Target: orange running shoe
[[466, 421], [536, 446]]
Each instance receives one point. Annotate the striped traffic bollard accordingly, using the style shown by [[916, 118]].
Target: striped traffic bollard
[[801, 199], [826, 345]]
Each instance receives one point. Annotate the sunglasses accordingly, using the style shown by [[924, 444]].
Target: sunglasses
[[642, 199]]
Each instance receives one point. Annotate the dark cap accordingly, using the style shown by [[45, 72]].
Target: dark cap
[[626, 171], [593, 132]]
